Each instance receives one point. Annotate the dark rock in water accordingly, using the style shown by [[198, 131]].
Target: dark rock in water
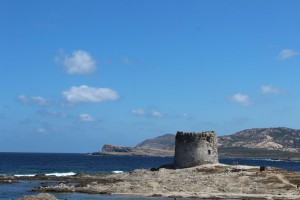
[[80, 175], [56, 188], [153, 169], [40, 175], [8, 181], [156, 195]]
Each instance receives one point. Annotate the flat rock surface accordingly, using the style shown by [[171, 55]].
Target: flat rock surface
[[207, 181], [42, 196]]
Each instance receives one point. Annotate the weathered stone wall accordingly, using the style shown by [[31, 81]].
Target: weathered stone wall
[[192, 149]]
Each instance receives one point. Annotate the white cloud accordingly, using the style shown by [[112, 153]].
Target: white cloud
[[86, 118], [286, 53], [80, 62], [186, 116], [40, 101], [88, 94], [141, 112], [41, 130], [156, 114], [242, 99], [138, 111], [267, 89]]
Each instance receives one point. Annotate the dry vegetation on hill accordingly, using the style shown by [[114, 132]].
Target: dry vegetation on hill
[[281, 143]]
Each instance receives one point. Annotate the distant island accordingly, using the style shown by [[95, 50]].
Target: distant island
[[275, 143]]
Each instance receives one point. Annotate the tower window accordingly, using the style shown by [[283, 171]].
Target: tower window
[[209, 152]]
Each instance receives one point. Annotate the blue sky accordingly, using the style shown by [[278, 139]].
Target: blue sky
[[75, 75]]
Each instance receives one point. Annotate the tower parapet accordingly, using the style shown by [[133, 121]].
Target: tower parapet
[[192, 149]]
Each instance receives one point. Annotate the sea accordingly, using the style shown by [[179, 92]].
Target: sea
[[64, 164]]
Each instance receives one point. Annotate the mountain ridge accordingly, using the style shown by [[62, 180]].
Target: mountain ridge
[[277, 142], [280, 138]]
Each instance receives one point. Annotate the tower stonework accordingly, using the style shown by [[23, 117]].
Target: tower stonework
[[192, 149]]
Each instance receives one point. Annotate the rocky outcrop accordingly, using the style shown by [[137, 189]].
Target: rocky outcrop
[[133, 151], [113, 148]]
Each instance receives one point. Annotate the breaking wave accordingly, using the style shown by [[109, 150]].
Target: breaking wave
[[117, 172], [50, 174]]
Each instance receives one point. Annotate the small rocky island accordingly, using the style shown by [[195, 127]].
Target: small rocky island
[[195, 173]]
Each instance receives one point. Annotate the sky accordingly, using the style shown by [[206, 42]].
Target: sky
[[75, 75]]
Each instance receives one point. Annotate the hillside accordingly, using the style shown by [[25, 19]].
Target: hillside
[[166, 141], [284, 139], [283, 143]]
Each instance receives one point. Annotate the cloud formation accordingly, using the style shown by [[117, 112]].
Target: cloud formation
[[41, 130], [88, 94], [267, 89], [86, 118], [138, 111], [156, 114], [80, 62], [141, 112], [186, 116], [39, 101], [242, 99], [286, 53]]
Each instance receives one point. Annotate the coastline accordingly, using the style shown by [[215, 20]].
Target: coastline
[[207, 181], [235, 152], [171, 154]]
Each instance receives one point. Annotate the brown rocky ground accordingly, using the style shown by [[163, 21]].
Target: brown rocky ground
[[207, 181], [42, 196]]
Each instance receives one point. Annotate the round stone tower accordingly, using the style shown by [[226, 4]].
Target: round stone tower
[[192, 149]]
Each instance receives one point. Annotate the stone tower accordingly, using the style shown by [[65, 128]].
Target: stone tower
[[192, 149]]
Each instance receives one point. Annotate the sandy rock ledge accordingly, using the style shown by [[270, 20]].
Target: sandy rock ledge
[[206, 181], [42, 196]]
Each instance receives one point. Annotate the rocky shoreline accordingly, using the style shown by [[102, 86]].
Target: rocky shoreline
[[214, 181]]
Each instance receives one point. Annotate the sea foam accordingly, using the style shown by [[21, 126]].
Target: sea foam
[[50, 174], [117, 172], [61, 174], [21, 175]]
